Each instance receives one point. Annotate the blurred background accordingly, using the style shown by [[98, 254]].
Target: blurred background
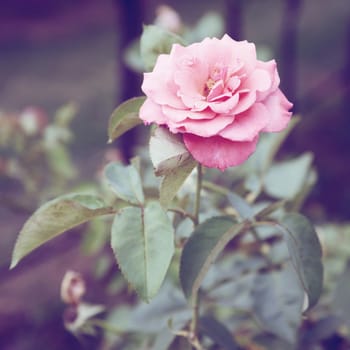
[[62, 72]]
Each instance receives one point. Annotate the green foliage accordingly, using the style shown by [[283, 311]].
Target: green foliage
[[222, 239], [216, 330], [171, 160], [156, 41], [143, 242], [202, 248], [125, 117], [306, 254], [54, 218], [277, 303], [125, 182], [286, 179]]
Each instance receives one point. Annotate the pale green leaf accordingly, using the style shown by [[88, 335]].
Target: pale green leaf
[[268, 146], [202, 249], [167, 151], [286, 179], [173, 180], [125, 182], [277, 302], [54, 218], [125, 117], [143, 243], [155, 41], [212, 24], [218, 332], [242, 207], [306, 253]]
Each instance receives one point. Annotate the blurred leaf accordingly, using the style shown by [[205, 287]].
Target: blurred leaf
[[84, 313], [65, 114], [210, 25], [340, 299], [125, 182], [163, 339], [305, 250], [169, 304], [96, 236], [60, 162], [268, 146], [54, 218], [202, 248], [167, 151], [218, 332], [132, 57], [277, 302], [286, 179], [173, 180], [155, 41], [244, 210], [143, 243], [269, 209], [125, 117]]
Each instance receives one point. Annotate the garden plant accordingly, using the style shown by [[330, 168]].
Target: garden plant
[[208, 232]]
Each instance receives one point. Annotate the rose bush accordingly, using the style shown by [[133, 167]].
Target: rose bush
[[219, 96]]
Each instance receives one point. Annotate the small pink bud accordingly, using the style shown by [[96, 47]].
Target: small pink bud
[[72, 287]]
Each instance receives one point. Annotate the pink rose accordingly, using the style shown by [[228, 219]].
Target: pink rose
[[219, 96]]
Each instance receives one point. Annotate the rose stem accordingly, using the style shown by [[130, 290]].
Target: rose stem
[[194, 322], [198, 193]]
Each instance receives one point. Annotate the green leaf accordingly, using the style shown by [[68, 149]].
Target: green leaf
[[305, 250], [143, 243], [286, 179], [268, 146], [210, 25], [155, 41], [173, 180], [172, 160], [341, 292], [203, 247], [60, 162], [125, 181], [242, 207], [54, 218], [277, 302], [269, 209], [169, 304], [218, 332], [125, 117], [167, 151]]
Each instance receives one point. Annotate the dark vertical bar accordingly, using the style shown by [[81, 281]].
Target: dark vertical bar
[[130, 15], [289, 48], [234, 18]]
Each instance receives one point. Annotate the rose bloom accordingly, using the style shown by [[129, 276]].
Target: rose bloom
[[219, 96]]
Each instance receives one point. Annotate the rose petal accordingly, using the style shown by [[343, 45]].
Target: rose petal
[[205, 127], [191, 74], [243, 51], [216, 90], [247, 125], [270, 67], [159, 84], [278, 107], [259, 80], [246, 100], [178, 115], [217, 152], [224, 107], [151, 112]]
